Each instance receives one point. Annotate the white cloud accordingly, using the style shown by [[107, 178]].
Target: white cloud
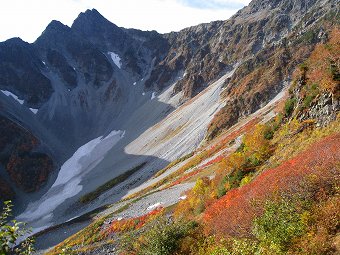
[[27, 19], [215, 4]]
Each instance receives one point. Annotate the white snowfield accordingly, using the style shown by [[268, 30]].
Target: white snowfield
[[69, 178], [8, 93], [116, 59]]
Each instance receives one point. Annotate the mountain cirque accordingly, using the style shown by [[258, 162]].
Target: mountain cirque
[[163, 93]]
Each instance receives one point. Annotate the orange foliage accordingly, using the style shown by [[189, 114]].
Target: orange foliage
[[232, 215]]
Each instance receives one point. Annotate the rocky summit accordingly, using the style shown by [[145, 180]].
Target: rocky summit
[[94, 113]]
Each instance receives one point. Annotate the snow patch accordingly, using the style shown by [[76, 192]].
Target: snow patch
[[134, 84], [8, 93], [116, 59], [155, 206], [153, 96], [34, 110], [69, 178], [143, 94], [44, 63]]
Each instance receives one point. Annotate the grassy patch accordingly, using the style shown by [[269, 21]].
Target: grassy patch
[[109, 185]]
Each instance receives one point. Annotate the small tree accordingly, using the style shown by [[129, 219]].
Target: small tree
[[11, 231]]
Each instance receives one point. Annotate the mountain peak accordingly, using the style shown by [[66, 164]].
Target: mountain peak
[[91, 24], [15, 41], [56, 25], [89, 18], [54, 32], [92, 12]]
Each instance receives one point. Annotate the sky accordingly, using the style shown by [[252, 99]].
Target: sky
[[27, 19]]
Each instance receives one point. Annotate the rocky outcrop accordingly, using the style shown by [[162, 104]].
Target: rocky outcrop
[[323, 110]]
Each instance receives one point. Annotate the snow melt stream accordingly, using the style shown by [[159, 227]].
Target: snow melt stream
[[67, 184]]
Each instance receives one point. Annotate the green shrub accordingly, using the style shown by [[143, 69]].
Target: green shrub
[[230, 246], [289, 106], [311, 92], [164, 237], [221, 190], [244, 247], [269, 134], [280, 223], [241, 147], [245, 180], [307, 101], [11, 232]]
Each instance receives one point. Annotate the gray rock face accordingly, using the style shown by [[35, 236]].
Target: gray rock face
[[323, 110]]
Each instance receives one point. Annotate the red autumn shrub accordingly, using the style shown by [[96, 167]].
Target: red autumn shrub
[[232, 215]]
